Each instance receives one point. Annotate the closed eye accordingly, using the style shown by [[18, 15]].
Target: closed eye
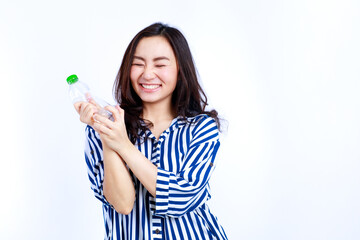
[[138, 64]]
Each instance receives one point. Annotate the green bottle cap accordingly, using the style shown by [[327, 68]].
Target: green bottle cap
[[72, 79]]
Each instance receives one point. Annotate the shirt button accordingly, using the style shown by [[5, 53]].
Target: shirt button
[[211, 164], [157, 231]]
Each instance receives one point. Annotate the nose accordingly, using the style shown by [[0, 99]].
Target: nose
[[148, 73]]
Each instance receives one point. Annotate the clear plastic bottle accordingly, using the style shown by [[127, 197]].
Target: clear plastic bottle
[[80, 92]]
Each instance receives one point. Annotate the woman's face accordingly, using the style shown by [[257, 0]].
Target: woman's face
[[154, 70]]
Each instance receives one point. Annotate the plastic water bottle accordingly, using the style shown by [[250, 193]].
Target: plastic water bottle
[[80, 92]]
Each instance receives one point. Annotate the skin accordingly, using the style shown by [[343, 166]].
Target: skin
[[153, 76]]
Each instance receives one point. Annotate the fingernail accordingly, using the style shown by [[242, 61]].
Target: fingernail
[[88, 96]]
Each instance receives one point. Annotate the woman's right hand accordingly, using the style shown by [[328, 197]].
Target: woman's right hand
[[86, 110]]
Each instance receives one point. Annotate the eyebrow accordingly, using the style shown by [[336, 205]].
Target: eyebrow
[[161, 58], [155, 59]]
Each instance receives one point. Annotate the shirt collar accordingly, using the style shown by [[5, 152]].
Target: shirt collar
[[176, 123]]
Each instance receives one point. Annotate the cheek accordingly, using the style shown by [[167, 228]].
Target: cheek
[[134, 75], [170, 76]]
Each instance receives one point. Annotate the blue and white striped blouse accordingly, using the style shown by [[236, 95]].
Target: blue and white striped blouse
[[185, 157]]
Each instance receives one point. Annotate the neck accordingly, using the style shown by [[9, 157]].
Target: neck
[[158, 112]]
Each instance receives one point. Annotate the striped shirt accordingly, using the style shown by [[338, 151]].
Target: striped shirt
[[185, 158]]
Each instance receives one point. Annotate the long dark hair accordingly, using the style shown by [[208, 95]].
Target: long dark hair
[[188, 98]]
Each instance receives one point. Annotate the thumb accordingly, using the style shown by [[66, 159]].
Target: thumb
[[88, 96], [121, 112], [77, 106]]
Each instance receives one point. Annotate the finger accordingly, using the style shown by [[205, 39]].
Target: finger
[[114, 111], [121, 113], [89, 110], [80, 106], [87, 113], [101, 129], [88, 96], [77, 106], [103, 120]]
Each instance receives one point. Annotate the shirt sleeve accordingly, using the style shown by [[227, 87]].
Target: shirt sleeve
[[95, 165], [179, 193]]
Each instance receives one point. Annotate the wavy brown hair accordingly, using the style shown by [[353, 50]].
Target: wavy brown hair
[[188, 98]]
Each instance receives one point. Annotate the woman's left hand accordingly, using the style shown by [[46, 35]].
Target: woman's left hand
[[112, 133]]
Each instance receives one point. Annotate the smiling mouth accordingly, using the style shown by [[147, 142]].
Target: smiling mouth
[[150, 86]]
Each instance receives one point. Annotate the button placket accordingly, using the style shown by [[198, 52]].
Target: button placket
[[155, 158], [156, 227], [158, 147], [156, 220]]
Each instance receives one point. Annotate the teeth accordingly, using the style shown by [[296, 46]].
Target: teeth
[[150, 86]]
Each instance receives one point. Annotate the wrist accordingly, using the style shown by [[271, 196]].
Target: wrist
[[106, 147], [124, 148]]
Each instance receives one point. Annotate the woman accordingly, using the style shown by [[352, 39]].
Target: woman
[[150, 167]]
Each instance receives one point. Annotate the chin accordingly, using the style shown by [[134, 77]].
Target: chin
[[150, 100]]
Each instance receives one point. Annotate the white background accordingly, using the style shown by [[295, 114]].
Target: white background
[[284, 74]]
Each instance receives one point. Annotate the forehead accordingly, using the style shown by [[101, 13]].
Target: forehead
[[154, 47]]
